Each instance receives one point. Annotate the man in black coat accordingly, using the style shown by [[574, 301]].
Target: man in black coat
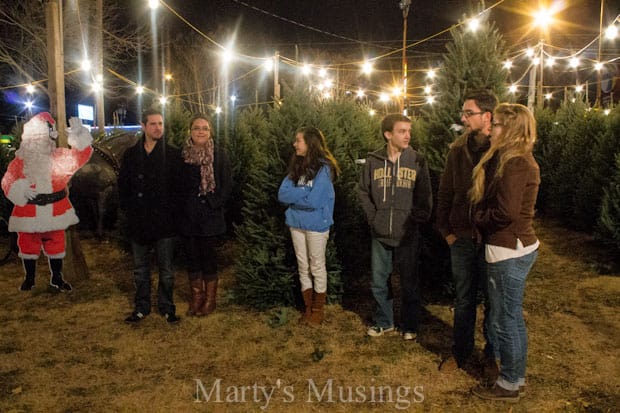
[[146, 194]]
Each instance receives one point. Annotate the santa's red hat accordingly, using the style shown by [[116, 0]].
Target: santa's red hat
[[38, 127]]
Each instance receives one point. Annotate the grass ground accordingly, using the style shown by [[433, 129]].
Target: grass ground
[[73, 353]]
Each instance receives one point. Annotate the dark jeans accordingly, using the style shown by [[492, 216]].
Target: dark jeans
[[469, 275], [164, 249], [405, 258]]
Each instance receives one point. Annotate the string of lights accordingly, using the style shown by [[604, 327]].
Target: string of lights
[[544, 50]]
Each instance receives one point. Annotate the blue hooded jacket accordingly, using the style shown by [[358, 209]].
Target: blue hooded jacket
[[310, 204]]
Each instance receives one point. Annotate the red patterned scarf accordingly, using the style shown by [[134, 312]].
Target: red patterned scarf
[[201, 155]]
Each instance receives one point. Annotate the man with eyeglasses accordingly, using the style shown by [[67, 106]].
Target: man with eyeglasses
[[145, 186], [454, 223]]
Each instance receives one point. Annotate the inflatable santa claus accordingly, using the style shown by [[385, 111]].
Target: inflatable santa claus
[[36, 183]]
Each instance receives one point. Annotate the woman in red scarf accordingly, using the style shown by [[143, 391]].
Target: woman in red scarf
[[204, 184]]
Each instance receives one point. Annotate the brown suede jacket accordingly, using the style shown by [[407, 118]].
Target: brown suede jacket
[[507, 210], [453, 206]]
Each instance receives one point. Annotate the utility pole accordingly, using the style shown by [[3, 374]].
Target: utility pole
[[540, 98], [531, 95], [276, 81], [598, 72], [404, 6], [99, 70], [75, 263], [55, 68]]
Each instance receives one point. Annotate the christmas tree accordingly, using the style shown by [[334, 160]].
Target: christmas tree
[[266, 274], [474, 61], [609, 220]]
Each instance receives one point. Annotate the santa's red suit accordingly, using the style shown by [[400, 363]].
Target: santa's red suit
[[36, 182]]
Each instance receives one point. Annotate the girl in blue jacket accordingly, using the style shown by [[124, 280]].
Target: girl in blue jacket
[[308, 192]]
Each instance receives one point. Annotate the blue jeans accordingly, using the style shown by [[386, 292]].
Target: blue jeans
[[164, 249], [405, 257], [506, 288], [469, 276]]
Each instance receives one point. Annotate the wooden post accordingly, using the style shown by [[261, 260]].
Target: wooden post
[[99, 72], [276, 80], [74, 264], [55, 69]]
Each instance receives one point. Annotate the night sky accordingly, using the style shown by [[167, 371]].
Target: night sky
[[379, 22], [358, 29]]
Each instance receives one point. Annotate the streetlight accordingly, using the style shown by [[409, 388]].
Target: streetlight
[[542, 19], [367, 68], [404, 6], [86, 65], [611, 32], [29, 105]]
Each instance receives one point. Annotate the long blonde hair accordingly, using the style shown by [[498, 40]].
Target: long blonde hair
[[516, 139]]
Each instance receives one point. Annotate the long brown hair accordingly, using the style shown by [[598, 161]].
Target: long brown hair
[[308, 166], [516, 139]]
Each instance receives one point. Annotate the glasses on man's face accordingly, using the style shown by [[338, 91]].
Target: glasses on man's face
[[199, 129], [470, 113]]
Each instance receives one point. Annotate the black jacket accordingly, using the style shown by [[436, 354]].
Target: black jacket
[[146, 191], [204, 215]]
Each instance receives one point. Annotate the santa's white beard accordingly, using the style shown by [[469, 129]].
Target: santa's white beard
[[38, 170]]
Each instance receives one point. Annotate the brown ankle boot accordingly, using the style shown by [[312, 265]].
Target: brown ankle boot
[[307, 296], [197, 297], [209, 305], [317, 315]]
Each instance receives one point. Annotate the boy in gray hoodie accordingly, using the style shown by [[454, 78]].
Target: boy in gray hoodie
[[395, 193]]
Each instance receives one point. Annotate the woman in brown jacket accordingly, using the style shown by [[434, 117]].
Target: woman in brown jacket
[[505, 186]]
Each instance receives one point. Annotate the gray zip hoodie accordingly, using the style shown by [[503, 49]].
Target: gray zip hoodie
[[394, 207]]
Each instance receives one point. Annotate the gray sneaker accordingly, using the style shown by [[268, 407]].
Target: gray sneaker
[[376, 331]]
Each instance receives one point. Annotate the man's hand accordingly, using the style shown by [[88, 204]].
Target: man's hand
[[450, 239]]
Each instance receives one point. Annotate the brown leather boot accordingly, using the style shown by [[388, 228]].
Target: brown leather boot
[[209, 305], [307, 296], [197, 297], [317, 315]]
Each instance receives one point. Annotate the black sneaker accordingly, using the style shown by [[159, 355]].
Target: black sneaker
[[172, 318], [27, 285], [134, 318], [60, 284]]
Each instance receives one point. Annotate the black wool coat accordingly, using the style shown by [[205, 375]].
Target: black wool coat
[[203, 216], [146, 187]]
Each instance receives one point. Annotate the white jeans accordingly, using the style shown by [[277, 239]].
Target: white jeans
[[310, 252]]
